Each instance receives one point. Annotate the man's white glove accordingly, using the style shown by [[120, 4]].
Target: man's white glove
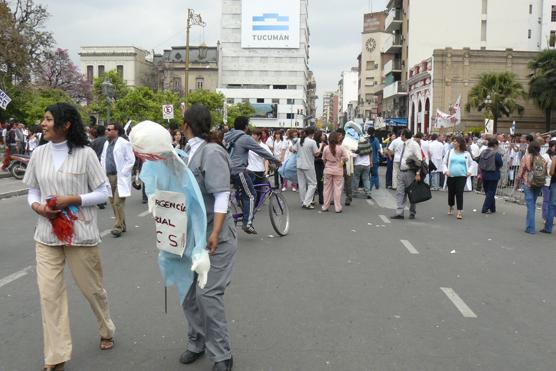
[[201, 266]]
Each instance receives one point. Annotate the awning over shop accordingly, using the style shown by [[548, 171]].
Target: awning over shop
[[396, 121]]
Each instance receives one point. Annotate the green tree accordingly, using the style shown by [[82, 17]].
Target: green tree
[[39, 99], [100, 104], [214, 101], [142, 103], [23, 40], [504, 92], [239, 109], [542, 83]]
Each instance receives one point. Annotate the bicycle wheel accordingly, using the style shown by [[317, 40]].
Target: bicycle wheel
[[279, 214]]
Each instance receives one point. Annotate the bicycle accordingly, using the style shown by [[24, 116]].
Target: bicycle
[[278, 209]]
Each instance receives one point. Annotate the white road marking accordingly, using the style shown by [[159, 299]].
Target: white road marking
[[409, 247], [458, 302], [144, 213], [105, 233], [384, 219], [14, 276], [371, 202]]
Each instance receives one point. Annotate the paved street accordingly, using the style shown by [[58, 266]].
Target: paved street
[[347, 291]]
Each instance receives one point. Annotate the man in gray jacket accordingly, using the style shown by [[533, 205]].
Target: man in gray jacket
[[238, 144]]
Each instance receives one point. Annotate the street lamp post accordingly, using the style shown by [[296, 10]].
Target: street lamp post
[[108, 91], [488, 103], [193, 19]]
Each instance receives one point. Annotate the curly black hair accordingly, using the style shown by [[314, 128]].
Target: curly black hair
[[64, 113]]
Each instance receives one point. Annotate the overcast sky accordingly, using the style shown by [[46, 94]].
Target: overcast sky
[[335, 28]]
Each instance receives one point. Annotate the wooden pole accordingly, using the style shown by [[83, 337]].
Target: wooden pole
[[188, 27]]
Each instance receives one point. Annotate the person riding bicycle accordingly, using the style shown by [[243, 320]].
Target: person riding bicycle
[[238, 145]]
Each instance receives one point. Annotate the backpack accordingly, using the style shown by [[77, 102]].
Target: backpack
[[231, 145], [364, 147], [537, 173], [487, 163]]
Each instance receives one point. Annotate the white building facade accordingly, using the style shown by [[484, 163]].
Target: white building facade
[[264, 56], [348, 87], [130, 62], [548, 23], [473, 24], [476, 24]]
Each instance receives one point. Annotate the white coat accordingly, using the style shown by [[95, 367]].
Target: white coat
[[436, 153], [124, 159]]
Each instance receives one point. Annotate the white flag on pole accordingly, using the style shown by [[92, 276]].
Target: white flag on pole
[[489, 126], [4, 99], [127, 126]]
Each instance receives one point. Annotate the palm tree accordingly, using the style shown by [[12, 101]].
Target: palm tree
[[542, 83], [498, 94]]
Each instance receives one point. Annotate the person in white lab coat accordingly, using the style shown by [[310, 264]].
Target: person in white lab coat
[[117, 160], [436, 153]]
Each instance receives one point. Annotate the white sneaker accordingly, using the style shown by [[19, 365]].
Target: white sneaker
[[294, 189], [284, 189]]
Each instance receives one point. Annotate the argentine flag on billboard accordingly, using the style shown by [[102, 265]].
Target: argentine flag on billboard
[[270, 23]]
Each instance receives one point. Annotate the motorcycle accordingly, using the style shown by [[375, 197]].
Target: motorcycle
[[18, 165]]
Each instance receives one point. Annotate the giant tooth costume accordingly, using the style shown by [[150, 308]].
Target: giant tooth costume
[[165, 170], [350, 143]]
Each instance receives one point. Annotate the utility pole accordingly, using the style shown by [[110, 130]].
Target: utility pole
[[193, 19]]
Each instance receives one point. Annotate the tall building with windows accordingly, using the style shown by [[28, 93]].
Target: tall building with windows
[[395, 49], [418, 28], [264, 59], [372, 66], [130, 62], [547, 23], [327, 107]]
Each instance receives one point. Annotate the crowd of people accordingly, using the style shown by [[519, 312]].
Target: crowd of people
[[84, 167], [18, 139]]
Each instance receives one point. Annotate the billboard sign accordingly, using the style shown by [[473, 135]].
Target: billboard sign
[[265, 110], [270, 24]]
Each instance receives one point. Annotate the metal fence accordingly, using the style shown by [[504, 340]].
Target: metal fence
[[508, 173]]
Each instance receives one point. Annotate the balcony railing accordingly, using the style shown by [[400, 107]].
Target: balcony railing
[[391, 66], [393, 20], [397, 88], [393, 44]]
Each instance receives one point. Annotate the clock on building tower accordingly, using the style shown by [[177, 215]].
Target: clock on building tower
[[370, 44]]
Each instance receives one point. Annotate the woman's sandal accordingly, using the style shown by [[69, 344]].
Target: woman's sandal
[[58, 367], [106, 344]]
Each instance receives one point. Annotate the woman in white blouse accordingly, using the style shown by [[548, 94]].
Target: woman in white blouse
[[278, 146], [68, 169]]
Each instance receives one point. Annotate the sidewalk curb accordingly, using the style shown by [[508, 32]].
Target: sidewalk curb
[[19, 192]]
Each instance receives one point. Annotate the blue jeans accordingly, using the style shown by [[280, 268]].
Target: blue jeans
[[389, 172], [545, 200], [551, 210], [531, 195], [490, 193], [435, 179], [244, 184], [374, 176], [361, 172]]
